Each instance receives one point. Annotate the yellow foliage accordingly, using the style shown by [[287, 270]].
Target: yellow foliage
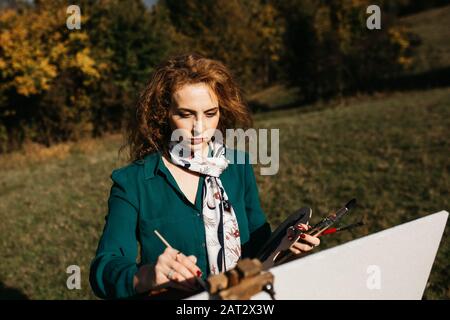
[[398, 36], [270, 29], [86, 64], [340, 20], [57, 51], [406, 62], [36, 48], [344, 22]]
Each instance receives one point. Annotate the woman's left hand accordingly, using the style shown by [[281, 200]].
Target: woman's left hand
[[305, 243]]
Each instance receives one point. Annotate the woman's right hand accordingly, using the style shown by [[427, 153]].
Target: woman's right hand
[[177, 270]]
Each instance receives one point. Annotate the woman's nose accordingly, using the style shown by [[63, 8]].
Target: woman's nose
[[197, 128]]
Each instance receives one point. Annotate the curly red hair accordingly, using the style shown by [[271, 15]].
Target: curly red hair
[[150, 131]]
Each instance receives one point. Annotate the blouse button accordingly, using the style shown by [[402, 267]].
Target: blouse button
[[203, 245]]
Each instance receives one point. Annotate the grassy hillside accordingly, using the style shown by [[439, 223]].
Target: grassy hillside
[[390, 152]]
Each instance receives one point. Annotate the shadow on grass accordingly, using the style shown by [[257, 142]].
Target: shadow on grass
[[8, 293], [437, 78]]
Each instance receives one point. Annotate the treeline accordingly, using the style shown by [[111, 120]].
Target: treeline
[[58, 84]]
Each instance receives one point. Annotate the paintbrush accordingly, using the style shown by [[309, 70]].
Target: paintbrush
[[348, 227], [199, 279]]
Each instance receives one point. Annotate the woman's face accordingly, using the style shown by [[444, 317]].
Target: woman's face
[[196, 112]]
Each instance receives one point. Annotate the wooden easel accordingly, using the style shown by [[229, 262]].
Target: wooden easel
[[242, 282]]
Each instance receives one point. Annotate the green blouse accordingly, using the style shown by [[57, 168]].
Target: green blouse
[[144, 197]]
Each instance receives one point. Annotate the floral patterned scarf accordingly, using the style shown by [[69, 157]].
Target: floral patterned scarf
[[221, 227]]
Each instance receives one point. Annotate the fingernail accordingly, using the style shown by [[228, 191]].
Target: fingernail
[[303, 236], [299, 227], [199, 273]]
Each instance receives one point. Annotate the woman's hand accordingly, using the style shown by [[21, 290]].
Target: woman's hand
[[176, 269], [172, 269], [306, 242]]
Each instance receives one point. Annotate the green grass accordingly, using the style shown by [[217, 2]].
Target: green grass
[[390, 152]]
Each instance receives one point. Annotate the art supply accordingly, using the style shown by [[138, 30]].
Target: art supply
[[291, 233], [162, 239], [199, 280], [334, 230], [326, 223]]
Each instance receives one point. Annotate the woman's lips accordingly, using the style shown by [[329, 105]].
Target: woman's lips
[[197, 140]]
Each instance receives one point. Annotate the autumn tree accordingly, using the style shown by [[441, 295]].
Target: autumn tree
[[37, 56], [132, 41], [330, 51], [58, 84], [246, 35]]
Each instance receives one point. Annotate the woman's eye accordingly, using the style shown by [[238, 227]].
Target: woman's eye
[[185, 115], [210, 115]]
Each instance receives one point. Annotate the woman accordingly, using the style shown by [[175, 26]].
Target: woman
[[186, 186]]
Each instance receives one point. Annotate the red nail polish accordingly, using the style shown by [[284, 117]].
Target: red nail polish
[[199, 273], [303, 236]]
